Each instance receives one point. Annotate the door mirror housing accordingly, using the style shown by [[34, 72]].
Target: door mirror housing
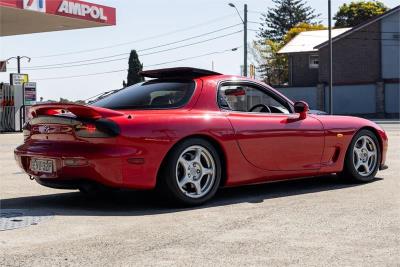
[[302, 108]]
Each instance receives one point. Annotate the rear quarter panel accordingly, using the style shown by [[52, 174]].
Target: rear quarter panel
[[153, 134]]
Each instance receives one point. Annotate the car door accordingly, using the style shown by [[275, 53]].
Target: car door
[[273, 138]]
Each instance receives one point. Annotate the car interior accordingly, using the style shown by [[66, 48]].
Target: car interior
[[246, 98]]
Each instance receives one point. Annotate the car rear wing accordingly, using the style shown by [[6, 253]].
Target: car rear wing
[[80, 111]]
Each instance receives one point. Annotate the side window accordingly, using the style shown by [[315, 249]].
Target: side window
[[247, 98], [314, 61]]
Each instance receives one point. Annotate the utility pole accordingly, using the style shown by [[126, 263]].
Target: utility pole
[[18, 58], [330, 72], [245, 41], [244, 21]]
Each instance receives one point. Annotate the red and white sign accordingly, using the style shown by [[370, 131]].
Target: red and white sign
[[67, 8], [82, 10]]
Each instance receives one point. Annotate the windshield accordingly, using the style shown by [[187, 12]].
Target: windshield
[[155, 94]]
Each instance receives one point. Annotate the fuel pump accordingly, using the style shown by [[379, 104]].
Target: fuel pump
[[15, 101], [7, 109]]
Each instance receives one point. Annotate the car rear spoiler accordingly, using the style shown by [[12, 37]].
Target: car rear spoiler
[[80, 111]]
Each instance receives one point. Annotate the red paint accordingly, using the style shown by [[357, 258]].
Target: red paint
[[52, 7], [256, 147]]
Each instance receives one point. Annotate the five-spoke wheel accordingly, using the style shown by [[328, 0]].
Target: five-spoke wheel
[[365, 155], [362, 158], [195, 171], [191, 172]]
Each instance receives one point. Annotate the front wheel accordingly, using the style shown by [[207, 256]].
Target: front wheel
[[192, 172], [362, 158]]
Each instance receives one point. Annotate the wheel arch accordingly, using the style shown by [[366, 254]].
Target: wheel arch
[[214, 142]]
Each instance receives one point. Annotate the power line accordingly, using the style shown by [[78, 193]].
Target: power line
[[256, 12], [208, 54], [151, 53], [136, 41], [153, 65], [141, 50], [83, 75], [186, 39]]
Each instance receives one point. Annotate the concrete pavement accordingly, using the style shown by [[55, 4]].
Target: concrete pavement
[[312, 222]]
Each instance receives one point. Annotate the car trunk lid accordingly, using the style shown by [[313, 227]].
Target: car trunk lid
[[67, 122]]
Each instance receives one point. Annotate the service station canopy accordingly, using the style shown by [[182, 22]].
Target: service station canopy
[[33, 16]]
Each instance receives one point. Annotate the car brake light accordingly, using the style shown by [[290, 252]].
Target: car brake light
[[101, 128], [26, 129]]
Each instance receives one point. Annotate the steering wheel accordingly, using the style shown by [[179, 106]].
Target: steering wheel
[[265, 108]]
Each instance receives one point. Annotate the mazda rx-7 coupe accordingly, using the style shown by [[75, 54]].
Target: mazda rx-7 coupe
[[188, 132]]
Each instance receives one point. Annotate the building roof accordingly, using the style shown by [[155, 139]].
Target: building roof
[[307, 41], [360, 26]]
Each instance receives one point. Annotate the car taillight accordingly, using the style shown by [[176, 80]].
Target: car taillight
[[101, 128], [26, 130]]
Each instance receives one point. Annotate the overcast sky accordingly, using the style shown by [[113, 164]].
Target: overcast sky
[[170, 20]]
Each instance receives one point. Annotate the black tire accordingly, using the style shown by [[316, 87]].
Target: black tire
[[167, 182], [349, 171]]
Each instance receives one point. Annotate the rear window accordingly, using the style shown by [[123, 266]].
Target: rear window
[[155, 94]]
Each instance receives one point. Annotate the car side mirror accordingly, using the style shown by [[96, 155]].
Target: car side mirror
[[302, 108]]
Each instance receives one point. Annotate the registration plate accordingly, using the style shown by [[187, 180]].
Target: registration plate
[[42, 165]]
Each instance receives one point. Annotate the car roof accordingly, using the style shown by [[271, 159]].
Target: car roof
[[180, 72], [196, 73]]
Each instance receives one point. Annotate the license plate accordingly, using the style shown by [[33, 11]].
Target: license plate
[[42, 165]]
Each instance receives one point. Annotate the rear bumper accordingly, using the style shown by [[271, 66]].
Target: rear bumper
[[106, 164]]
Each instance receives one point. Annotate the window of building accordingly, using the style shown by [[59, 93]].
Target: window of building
[[314, 61]]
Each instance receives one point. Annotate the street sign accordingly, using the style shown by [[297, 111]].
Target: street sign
[[29, 93], [18, 79], [3, 66]]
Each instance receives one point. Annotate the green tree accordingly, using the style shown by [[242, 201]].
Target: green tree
[[301, 27], [352, 14], [134, 68], [274, 70], [272, 66], [284, 16]]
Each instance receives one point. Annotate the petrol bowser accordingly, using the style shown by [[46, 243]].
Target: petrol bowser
[[15, 101], [7, 110]]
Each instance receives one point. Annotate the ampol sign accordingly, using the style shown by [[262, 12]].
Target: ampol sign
[[80, 9], [67, 8]]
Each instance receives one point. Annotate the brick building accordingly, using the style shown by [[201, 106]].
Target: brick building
[[366, 67]]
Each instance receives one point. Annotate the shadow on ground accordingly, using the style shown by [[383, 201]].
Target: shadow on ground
[[136, 203]]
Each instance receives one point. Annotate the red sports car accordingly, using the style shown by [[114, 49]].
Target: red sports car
[[190, 131]]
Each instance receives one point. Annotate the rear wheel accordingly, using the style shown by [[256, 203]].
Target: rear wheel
[[191, 173], [362, 158]]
